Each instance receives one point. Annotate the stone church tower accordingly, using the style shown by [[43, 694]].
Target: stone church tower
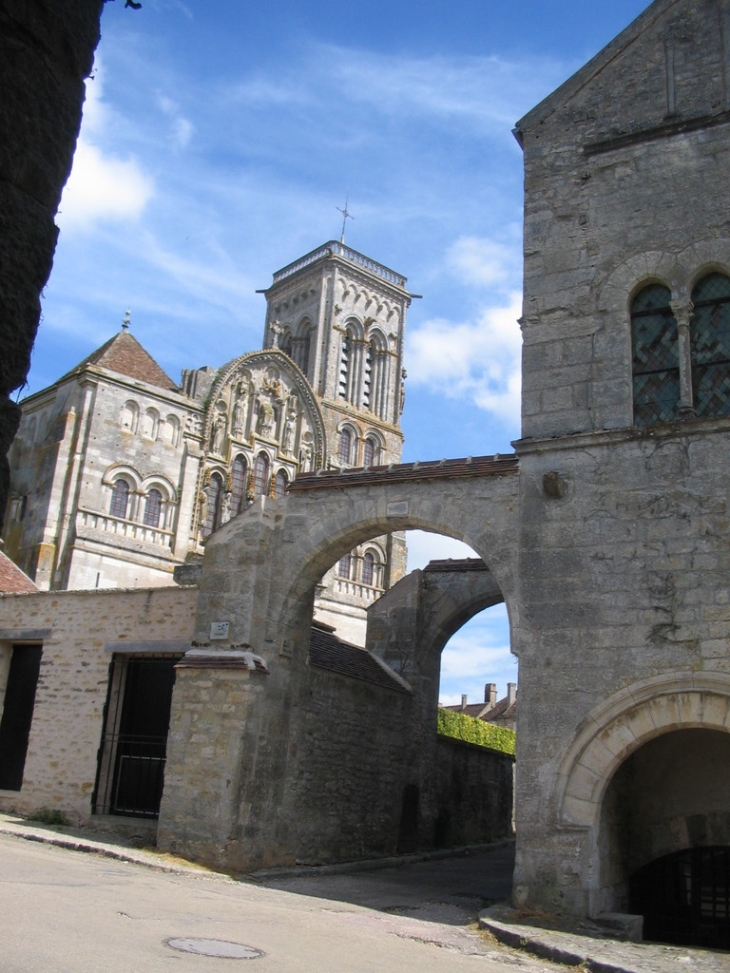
[[119, 476]]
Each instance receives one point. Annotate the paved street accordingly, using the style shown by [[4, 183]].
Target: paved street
[[68, 912]]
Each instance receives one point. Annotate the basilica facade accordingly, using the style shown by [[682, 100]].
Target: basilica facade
[[119, 475]]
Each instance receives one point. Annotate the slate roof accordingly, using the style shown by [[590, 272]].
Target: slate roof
[[453, 565], [327, 651], [403, 472], [12, 580], [502, 710], [126, 356]]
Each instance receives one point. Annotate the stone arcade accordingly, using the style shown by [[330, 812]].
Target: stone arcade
[[606, 535]]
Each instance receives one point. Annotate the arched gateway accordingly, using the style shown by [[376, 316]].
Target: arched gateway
[[306, 768]]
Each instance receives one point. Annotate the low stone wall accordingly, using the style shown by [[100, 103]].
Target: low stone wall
[[469, 795]]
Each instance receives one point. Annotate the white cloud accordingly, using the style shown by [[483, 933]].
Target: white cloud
[[477, 654], [476, 360], [181, 128], [102, 187], [479, 261], [424, 547]]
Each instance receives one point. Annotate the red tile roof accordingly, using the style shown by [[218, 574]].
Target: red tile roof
[[403, 472], [12, 580], [126, 356]]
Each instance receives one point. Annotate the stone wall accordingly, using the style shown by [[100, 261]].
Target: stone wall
[[74, 627], [47, 51]]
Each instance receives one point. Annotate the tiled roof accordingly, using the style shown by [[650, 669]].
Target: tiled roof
[[403, 472], [326, 651], [126, 356], [12, 580]]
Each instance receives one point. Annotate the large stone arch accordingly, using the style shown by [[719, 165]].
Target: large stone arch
[[626, 721], [607, 742], [308, 531]]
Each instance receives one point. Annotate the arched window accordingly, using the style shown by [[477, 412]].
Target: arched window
[[238, 483], [153, 508], [344, 565], [215, 497], [280, 484], [286, 344], [370, 452], [344, 383], [261, 475], [345, 450], [304, 349], [710, 341], [368, 568], [367, 377], [655, 356], [120, 498]]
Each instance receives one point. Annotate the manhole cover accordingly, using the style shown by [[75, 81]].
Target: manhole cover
[[215, 947]]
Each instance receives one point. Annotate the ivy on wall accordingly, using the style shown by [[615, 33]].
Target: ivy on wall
[[459, 726]]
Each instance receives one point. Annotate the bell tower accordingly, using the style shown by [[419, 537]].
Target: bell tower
[[340, 317]]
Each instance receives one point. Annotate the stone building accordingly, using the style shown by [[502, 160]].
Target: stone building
[[118, 475], [605, 534]]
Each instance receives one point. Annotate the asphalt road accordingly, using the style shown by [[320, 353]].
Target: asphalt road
[[69, 912]]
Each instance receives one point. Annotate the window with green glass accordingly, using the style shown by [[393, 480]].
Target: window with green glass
[[710, 339], [655, 355]]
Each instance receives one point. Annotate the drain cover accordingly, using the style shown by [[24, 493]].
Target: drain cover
[[215, 947]]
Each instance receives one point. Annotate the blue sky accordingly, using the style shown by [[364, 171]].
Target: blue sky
[[220, 138]]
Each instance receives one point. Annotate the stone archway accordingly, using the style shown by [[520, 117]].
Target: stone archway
[[313, 764], [590, 775]]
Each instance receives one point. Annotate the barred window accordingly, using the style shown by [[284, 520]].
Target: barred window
[[120, 498]]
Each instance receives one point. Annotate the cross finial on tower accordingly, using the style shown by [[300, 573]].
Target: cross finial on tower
[[127, 320], [346, 215]]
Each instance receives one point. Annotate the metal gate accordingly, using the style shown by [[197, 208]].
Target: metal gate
[[131, 767], [685, 898]]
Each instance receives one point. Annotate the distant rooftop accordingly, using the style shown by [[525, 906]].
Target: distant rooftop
[[336, 249]]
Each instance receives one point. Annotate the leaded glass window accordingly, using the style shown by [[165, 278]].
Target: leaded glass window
[[238, 485], [710, 340], [215, 495], [120, 498], [344, 565], [153, 508], [655, 356], [261, 475], [345, 450], [368, 568], [280, 484]]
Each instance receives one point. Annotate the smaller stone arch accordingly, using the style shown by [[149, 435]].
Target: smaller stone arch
[[630, 718], [129, 416]]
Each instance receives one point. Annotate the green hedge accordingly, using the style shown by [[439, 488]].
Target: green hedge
[[470, 730]]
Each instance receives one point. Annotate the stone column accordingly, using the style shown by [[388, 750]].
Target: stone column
[[683, 315]]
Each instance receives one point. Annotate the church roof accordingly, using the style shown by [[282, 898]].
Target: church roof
[[12, 580], [126, 356]]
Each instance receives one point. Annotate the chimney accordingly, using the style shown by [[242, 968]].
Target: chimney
[[511, 692], [490, 693], [463, 702]]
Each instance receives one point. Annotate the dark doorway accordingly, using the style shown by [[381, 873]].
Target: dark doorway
[[134, 746], [408, 830], [25, 664], [685, 898]]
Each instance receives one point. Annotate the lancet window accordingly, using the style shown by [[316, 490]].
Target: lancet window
[[153, 508], [120, 498]]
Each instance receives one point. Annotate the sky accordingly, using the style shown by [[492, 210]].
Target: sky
[[219, 140]]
